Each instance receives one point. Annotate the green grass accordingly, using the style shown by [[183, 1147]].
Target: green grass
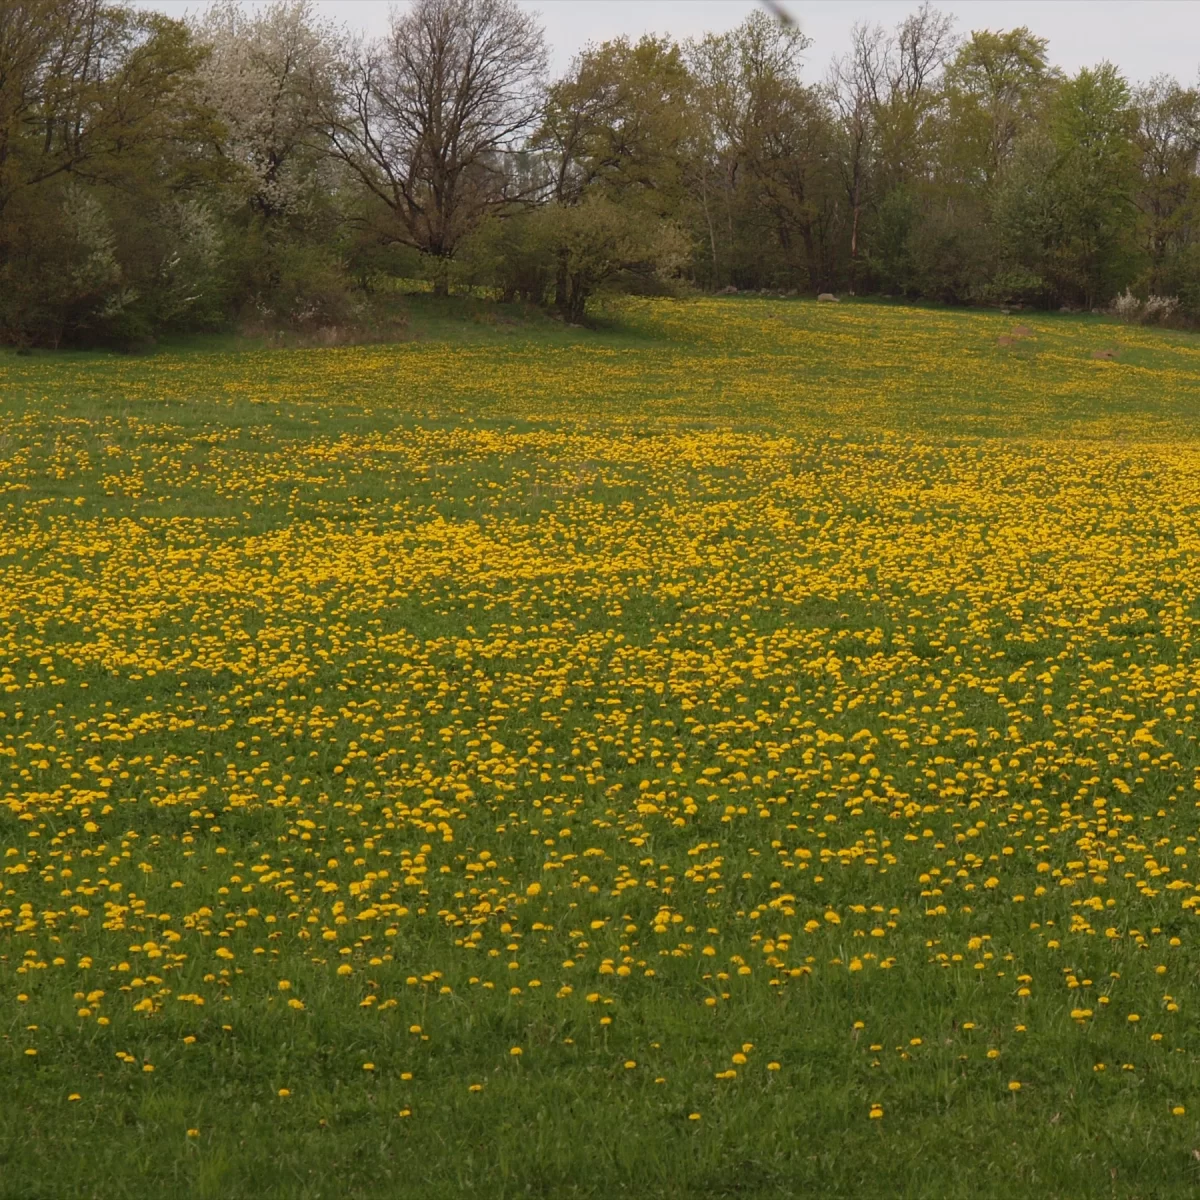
[[852, 644]]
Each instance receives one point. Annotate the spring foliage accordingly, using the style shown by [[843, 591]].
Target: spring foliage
[[264, 165]]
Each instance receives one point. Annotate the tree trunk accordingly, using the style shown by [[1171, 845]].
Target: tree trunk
[[562, 285], [576, 306], [854, 243], [810, 256], [712, 235]]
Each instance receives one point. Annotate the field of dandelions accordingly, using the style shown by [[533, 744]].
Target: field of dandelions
[[750, 749]]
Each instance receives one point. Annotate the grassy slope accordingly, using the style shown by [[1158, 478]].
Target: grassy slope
[[740, 363], [983, 555]]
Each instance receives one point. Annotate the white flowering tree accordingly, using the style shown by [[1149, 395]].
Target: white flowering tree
[[270, 77]]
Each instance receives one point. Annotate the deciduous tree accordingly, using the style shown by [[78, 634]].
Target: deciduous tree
[[430, 116]]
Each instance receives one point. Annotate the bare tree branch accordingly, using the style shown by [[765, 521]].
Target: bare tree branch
[[431, 113]]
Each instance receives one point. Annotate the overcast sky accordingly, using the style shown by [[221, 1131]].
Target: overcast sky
[[1143, 37]]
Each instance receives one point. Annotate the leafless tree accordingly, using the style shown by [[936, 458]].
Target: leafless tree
[[432, 113], [924, 40], [882, 91], [856, 85]]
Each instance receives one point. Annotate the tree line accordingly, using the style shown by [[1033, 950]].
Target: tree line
[[268, 166]]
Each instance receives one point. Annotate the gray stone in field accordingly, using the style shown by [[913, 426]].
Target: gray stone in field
[[827, 298]]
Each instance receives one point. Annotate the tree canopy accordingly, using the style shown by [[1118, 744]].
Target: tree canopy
[[261, 163]]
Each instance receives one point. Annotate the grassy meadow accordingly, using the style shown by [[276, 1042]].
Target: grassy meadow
[[747, 749]]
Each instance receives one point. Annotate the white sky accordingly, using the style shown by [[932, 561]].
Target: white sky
[[1142, 37]]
